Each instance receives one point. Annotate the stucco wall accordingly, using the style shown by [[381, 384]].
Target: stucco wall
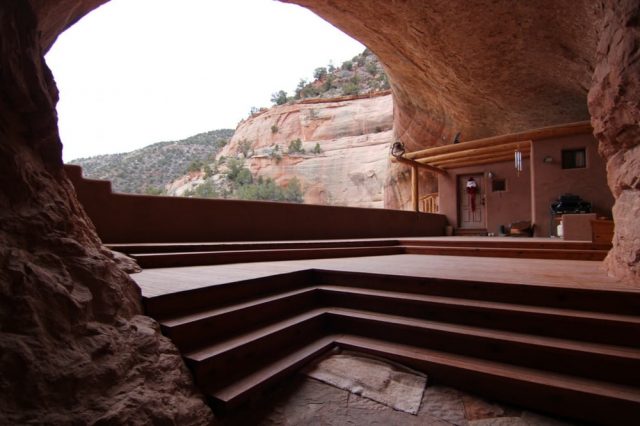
[[502, 207], [550, 180], [124, 218]]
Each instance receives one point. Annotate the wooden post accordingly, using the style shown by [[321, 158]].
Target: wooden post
[[415, 193]]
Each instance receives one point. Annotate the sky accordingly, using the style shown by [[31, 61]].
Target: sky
[[135, 72]]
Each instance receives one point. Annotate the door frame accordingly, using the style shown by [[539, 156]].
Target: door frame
[[481, 200]]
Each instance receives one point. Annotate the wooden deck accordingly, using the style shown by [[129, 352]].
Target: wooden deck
[[561, 273], [557, 336]]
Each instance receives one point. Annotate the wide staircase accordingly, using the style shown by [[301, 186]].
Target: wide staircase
[[568, 352], [158, 255]]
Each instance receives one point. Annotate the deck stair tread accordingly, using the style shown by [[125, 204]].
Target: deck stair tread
[[246, 245], [231, 393], [254, 334], [561, 312], [574, 383], [239, 389], [269, 250], [218, 347], [599, 348], [177, 320]]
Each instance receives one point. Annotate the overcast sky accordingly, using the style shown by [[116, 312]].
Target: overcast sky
[[135, 72]]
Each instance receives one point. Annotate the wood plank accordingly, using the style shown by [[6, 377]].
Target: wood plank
[[542, 133], [476, 152], [497, 159]]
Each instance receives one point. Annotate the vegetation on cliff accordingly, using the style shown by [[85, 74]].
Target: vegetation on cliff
[[149, 169], [360, 75]]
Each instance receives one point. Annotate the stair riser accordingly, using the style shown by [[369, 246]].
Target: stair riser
[[132, 249], [566, 361], [191, 335], [508, 243], [175, 304], [509, 253], [586, 329], [172, 260], [555, 401], [615, 302], [236, 362]]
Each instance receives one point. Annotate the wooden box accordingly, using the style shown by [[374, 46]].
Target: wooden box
[[601, 231]]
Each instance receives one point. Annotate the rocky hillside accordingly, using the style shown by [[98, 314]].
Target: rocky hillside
[[325, 151], [149, 169], [359, 75]]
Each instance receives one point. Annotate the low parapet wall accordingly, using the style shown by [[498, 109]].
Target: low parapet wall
[[125, 218]]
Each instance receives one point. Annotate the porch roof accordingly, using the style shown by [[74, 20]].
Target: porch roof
[[493, 149]]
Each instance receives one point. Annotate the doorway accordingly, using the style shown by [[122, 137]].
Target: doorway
[[471, 207]]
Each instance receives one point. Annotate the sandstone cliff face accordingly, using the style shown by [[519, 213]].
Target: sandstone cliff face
[[74, 348], [615, 116], [353, 135]]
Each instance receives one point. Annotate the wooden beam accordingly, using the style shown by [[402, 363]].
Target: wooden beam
[[479, 157], [485, 161], [473, 153], [543, 133], [415, 191], [419, 165]]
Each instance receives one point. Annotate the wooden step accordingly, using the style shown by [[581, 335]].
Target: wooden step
[[131, 249], [222, 361], [204, 297], [170, 260], [195, 329], [556, 394], [615, 301], [533, 253], [613, 329], [506, 242], [231, 395], [595, 361], [476, 232]]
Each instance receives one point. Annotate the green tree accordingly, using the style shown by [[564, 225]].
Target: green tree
[[317, 149], [274, 129], [279, 97], [347, 65], [320, 73]]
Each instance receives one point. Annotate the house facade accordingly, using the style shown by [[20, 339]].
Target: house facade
[[554, 162]]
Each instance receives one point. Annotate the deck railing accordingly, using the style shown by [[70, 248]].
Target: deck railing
[[429, 203]]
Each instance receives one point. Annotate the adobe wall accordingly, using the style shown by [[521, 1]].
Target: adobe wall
[[125, 218], [550, 180], [503, 207]]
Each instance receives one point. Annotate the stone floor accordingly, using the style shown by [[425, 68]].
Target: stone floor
[[305, 401]]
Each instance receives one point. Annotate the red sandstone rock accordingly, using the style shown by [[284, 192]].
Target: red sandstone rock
[[73, 347], [615, 115]]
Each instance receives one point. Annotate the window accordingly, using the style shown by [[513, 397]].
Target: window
[[498, 185], [574, 158]]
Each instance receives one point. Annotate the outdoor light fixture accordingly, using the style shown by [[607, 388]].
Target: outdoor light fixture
[[547, 159], [490, 174], [397, 149]]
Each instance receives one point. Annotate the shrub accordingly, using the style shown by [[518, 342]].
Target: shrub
[[317, 149], [295, 146], [350, 89], [274, 129], [244, 146], [347, 65]]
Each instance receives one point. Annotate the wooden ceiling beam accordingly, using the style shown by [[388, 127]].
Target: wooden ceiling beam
[[542, 133], [498, 159], [472, 153], [419, 165], [496, 154]]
